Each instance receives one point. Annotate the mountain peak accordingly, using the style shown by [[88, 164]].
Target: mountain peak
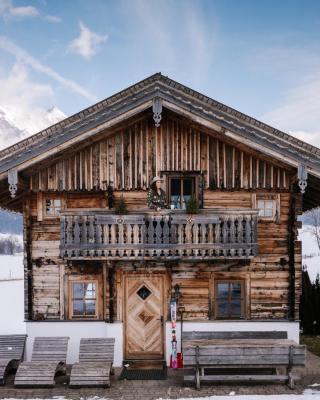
[[11, 133]]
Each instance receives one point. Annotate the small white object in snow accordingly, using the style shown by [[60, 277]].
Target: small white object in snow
[[232, 393], [315, 385]]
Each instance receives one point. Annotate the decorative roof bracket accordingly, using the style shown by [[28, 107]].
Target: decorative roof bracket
[[157, 110], [302, 177], [13, 181]]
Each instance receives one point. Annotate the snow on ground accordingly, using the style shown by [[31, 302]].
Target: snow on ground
[[11, 267], [307, 395], [310, 253], [11, 295]]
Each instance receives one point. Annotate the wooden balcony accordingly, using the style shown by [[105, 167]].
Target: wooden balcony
[[209, 235]]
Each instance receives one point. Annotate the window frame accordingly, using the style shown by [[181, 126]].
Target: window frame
[[275, 197], [56, 214], [242, 298], [195, 176], [84, 280]]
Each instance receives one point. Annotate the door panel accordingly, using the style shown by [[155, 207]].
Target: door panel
[[143, 313]]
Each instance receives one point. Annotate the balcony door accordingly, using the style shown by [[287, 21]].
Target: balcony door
[[144, 313]]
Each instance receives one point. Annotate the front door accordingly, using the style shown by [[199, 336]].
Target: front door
[[144, 316]]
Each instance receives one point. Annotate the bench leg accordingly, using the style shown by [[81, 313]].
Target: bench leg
[[290, 380], [197, 378], [289, 369]]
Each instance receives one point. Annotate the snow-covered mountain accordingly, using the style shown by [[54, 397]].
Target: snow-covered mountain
[[11, 132], [54, 115]]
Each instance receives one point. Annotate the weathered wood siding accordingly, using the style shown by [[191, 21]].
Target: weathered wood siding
[[46, 291], [268, 273], [127, 160], [131, 157]]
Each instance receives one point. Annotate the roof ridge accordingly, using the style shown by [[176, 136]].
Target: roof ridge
[[221, 107]]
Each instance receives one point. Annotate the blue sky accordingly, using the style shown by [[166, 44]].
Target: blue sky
[[260, 57]]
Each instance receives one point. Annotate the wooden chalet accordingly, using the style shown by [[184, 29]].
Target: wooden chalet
[[235, 264]]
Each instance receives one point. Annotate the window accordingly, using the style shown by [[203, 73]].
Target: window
[[84, 299], [52, 207], [229, 299], [268, 206], [180, 191]]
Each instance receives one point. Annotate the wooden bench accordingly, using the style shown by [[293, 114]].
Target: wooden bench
[[95, 363], [49, 356], [11, 353], [236, 352]]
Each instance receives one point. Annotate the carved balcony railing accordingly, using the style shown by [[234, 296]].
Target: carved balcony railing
[[211, 234]]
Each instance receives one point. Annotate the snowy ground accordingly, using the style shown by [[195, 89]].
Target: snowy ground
[[310, 253], [11, 267], [11, 295], [309, 394]]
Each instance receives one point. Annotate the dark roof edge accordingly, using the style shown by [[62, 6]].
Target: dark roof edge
[[241, 116], [75, 117], [67, 122]]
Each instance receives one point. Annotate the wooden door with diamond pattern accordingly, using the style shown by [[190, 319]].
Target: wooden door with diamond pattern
[[144, 330]]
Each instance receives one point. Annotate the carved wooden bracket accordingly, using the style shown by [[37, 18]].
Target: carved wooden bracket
[[13, 182], [302, 177], [157, 110]]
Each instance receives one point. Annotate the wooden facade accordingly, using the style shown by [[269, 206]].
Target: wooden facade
[[237, 259]]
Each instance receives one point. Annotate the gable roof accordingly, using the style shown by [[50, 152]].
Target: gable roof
[[177, 97]]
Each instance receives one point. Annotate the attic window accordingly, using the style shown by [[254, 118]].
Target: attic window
[[52, 207]]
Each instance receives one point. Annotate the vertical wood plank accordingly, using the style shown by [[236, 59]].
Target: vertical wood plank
[[241, 173], [136, 157], [61, 290], [218, 162], [39, 206]]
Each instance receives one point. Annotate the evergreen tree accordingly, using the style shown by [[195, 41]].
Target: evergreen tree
[[310, 304]]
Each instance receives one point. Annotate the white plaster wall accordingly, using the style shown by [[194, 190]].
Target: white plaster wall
[[230, 326], [76, 330]]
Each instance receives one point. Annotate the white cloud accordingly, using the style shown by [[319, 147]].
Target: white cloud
[[9, 11], [297, 109], [174, 37], [53, 18], [22, 110], [23, 57], [88, 43], [24, 12]]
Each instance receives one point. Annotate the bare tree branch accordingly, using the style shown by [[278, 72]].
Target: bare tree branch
[[313, 224]]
